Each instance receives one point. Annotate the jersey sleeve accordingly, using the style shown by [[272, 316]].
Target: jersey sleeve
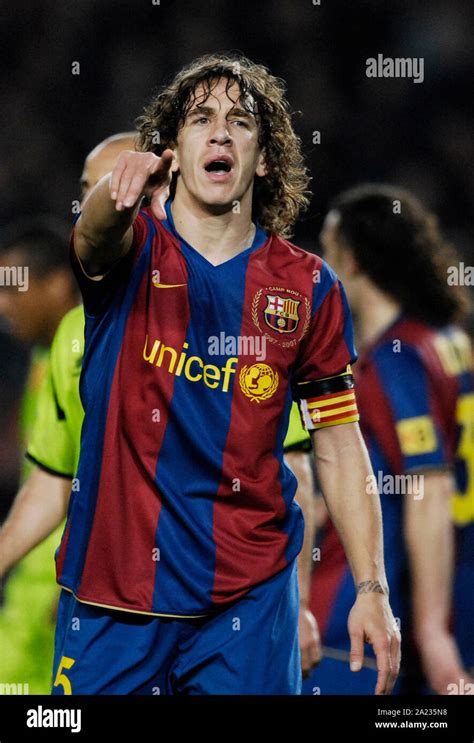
[[406, 385], [55, 434], [51, 446], [98, 292], [322, 380]]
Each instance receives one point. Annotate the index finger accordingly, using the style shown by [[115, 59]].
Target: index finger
[[116, 176], [167, 158]]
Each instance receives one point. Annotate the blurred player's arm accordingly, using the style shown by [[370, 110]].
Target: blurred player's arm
[[310, 643], [37, 511], [343, 469], [41, 504], [429, 535], [103, 232]]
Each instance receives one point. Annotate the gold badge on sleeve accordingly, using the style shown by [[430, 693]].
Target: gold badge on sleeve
[[417, 435]]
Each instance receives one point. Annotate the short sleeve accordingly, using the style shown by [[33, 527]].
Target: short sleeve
[[322, 380], [406, 384], [97, 293], [50, 445], [55, 435]]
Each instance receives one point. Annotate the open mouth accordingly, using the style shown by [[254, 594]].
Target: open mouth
[[218, 166]]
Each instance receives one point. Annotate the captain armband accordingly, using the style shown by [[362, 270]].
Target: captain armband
[[328, 401]]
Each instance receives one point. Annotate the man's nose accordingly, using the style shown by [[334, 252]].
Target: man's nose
[[220, 134]]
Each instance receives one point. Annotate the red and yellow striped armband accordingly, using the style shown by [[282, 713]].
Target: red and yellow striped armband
[[327, 402]]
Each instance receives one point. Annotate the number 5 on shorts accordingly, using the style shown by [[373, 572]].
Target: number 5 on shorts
[[61, 678]]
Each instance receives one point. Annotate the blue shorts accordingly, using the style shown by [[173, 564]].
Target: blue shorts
[[249, 647]]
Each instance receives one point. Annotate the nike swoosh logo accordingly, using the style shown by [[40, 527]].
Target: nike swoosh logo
[[166, 286]]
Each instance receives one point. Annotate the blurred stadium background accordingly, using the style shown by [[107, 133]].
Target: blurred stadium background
[[415, 135]]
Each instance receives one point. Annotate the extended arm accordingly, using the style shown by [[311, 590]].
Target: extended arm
[[103, 232]]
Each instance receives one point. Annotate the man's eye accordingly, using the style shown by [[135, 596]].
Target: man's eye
[[201, 119], [240, 122]]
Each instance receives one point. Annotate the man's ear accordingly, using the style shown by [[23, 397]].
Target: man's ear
[[261, 169]]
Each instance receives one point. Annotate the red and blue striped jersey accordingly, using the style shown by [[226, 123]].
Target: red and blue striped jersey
[[183, 501], [415, 396]]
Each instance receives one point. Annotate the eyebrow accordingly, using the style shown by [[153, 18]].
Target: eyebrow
[[235, 111]]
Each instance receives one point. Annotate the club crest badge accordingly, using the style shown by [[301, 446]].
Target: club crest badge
[[282, 315]]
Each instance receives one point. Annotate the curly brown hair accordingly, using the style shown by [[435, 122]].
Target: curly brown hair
[[282, 194], [401, 249]]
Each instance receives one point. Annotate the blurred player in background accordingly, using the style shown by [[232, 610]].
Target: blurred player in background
[[38, 246], [415, 394], [37, 249], [225, 549], [53, 437], [13, 372]]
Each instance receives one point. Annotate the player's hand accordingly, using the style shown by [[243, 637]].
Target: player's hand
[[371, 620], [442, 663], [310, 641], [138, 174]]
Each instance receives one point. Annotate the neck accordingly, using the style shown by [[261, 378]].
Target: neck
[[375, 313], [217, 237]]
